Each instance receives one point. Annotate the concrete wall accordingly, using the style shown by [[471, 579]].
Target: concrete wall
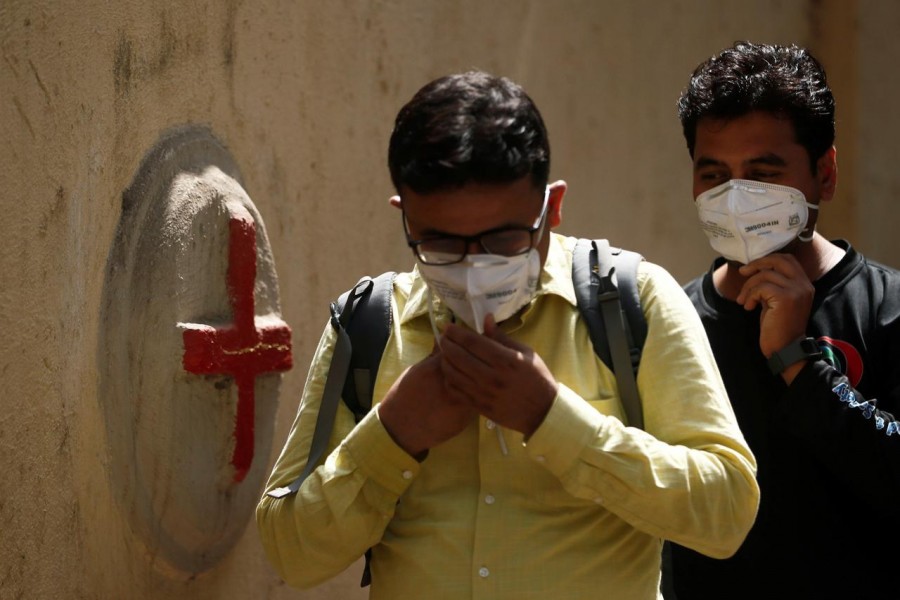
[[303, 93]]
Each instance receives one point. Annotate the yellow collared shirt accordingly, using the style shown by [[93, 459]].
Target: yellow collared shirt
[[577, 512]]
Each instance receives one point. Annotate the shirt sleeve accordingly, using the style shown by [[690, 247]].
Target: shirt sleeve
[[845, 408], [857, 438], [690, 476], [343, 507]]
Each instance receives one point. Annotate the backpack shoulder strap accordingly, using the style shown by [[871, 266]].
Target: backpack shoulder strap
[[626, 279], [368, 331], [605, 281], [356, 350], [586, 279]]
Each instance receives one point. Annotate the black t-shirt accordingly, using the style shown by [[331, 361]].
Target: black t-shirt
[[828, 447]]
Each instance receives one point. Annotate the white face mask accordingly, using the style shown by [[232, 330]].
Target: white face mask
[[745, 220], [485, 283]]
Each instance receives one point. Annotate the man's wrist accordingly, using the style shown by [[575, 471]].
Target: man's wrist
[[802, 349], [392, 429]]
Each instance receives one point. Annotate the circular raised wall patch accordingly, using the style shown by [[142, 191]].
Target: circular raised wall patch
[[192, 347]]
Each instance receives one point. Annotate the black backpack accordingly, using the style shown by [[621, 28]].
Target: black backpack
[[605, 281]]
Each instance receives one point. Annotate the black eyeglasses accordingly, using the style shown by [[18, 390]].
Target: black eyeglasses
[[451, 249]]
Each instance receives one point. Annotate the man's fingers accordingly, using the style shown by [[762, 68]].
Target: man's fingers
[[476, 345], [785, 264], [493, 331], [763, 283]]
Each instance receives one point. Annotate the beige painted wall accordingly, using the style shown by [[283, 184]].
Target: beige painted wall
[[303, 93]]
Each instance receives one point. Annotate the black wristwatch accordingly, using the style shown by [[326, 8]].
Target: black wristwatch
[[802, 349]]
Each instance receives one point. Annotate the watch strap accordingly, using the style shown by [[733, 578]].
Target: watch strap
[[802, 349]]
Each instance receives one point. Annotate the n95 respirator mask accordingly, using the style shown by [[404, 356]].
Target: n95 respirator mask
[[745, 220], [485, 283]]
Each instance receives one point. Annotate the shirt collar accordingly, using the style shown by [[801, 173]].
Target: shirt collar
[[556, 279]]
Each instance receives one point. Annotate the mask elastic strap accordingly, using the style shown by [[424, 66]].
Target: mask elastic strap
[[544, 211], [812, 233], [437, 335]]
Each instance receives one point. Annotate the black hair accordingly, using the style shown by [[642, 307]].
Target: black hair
[[783, 80], [470, 127]]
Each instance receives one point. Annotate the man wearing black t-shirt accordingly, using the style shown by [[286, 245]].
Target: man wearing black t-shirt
[[806, 333]]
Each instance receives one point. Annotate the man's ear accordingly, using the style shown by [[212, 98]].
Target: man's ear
[[395, 201], [554, 203], [826, 173]]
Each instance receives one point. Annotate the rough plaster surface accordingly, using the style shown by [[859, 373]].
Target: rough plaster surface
[[303, 94], [878, 187]]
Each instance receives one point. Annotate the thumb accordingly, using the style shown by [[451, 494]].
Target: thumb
[[493, 331], [490, 325]]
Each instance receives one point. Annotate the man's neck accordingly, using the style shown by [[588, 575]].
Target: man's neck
[[816, 257]]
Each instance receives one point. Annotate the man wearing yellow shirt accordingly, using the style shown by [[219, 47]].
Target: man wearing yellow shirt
[[497, 462]]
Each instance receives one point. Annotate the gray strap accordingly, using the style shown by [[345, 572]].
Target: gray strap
[[630, 299], [331, 397], [613, 315], [586, 280]]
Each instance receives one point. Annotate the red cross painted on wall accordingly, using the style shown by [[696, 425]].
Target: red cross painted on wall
[[244, 349]]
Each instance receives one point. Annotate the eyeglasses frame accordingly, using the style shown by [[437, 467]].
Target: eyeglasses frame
[[468, 239]]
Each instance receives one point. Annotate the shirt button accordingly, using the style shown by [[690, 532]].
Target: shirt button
[[540, 458], [598, 500], [407, 474], [490, 424], [483, 572], [489, 499]]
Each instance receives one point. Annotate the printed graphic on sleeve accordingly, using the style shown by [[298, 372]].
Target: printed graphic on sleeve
[[844, 357]]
